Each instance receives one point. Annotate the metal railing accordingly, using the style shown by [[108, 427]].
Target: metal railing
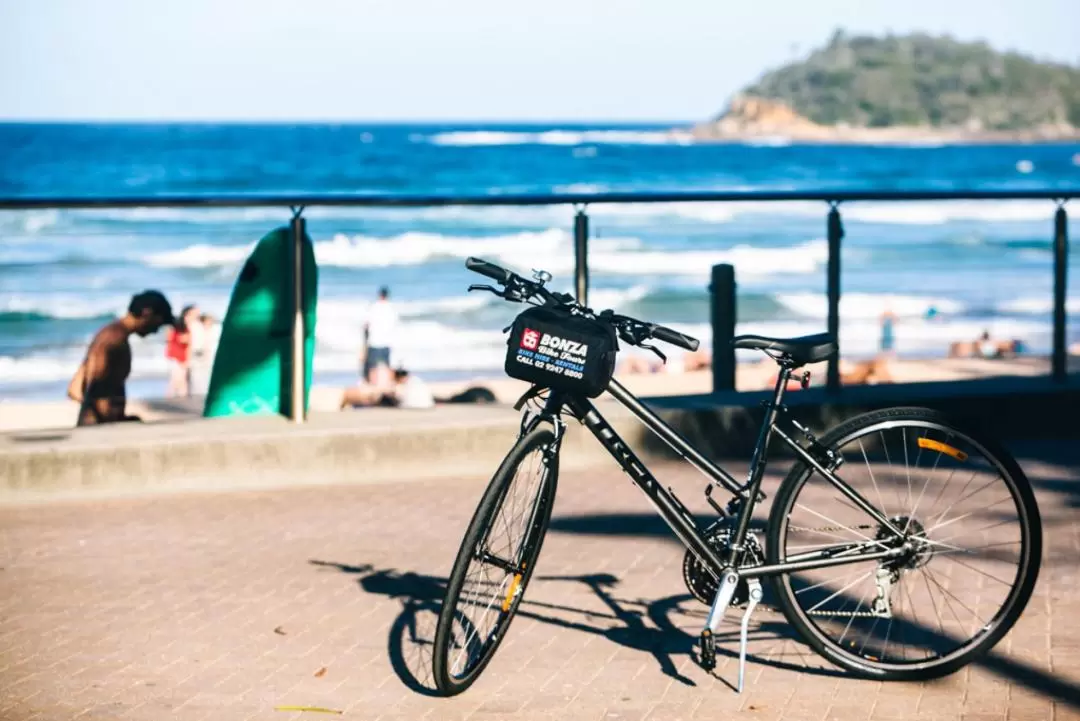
[[580, 201]]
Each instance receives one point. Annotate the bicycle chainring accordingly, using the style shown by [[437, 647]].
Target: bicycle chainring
[[701, 583]]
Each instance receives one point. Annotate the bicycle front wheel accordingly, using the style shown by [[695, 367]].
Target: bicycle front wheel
[[960, 511], [495, 562]]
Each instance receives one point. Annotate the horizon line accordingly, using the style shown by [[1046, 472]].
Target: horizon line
[[341, 121]]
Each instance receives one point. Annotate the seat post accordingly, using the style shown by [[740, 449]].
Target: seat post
[[757, 463], [781, 384]]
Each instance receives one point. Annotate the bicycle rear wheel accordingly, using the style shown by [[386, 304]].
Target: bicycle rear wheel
[[971, 535], [491, 573]]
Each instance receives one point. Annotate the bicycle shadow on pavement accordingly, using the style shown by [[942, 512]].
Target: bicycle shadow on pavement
[[649, 525], [411, 636]]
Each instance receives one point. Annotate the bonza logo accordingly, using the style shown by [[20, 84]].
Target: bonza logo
[[557, 344], [530, 339]]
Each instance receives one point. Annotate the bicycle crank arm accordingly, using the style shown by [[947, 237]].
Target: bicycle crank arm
[[728, 581]]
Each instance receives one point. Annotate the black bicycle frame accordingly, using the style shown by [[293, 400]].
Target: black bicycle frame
[[679, 518]]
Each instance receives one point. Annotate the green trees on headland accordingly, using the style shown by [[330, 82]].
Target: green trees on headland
[[924, 81]]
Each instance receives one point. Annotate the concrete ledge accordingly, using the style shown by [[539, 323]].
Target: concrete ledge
[[1009, 408], [386, 445], [368, 446]]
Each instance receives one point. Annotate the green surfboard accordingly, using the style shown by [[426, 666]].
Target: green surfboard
[[252, 371]]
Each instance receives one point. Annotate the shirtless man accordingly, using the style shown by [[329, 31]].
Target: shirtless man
[[99, 383]]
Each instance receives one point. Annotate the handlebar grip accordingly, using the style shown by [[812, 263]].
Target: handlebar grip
[[496, 273], [674, 337]]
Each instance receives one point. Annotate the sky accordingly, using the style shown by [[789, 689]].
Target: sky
[[465, 60]]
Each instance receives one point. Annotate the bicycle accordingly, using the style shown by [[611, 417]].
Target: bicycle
[[725, 561]]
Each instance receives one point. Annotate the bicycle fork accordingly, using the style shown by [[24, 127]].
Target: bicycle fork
[[728, 581]]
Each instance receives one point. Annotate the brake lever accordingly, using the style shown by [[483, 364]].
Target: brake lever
[[655, 350], [477, 286]]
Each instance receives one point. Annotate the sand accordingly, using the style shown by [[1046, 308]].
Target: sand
[[38, 415]]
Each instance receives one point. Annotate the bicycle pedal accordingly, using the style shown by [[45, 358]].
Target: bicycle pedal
[[708, 650], [716, 614]]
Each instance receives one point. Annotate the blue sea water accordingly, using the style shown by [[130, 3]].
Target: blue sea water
[[981, 265]]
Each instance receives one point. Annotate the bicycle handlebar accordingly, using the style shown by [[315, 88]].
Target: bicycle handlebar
[[496, 273], [674, 337], [519, 289]]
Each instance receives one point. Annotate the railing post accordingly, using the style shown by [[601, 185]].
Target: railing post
[[724, 316], [581, 257], [1061, 265], [296, 405], [835, 232]]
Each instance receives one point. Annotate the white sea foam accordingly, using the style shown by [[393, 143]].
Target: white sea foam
[[557, 137], [63, 305], [1036, 306], [429, 346], [549, 249], [40, 368], [937, 213], [921, 213], [868, 305], [201, 255], [31, 224], [748, 261]]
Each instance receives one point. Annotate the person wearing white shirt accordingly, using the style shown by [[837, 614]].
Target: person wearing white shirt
[[405, 391], [205, 335], [380, 332], [411, 392]]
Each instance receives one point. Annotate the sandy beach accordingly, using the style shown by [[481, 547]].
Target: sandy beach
[[22, 415]]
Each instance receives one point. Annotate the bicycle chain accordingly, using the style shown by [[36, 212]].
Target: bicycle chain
[[830, 614], [825, 529]]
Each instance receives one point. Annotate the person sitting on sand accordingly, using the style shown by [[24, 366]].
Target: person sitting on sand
[[869, 372], [99, 384], [408, 391], [986, 347], [472, 394]]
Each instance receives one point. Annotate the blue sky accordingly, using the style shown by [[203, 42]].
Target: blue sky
[[437, 60]]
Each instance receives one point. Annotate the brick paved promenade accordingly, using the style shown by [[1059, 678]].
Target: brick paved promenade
[[224, 606]]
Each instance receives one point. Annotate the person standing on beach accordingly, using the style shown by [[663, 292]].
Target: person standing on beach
[[179, 345], [888, 333], [205, 334], [379, 335], [99, 385]]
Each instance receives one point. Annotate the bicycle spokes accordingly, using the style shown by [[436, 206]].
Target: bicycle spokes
[[958, 550], [494, 577]]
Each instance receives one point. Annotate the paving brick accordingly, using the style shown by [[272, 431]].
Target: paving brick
[[225, 605]]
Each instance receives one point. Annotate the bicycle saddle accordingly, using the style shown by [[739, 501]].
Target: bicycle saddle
[[800, 351]]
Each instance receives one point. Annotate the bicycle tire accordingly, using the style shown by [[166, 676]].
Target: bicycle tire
[[486, 512], [1012, 608]]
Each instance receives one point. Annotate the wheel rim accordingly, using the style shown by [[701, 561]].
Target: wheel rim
[[499, 568], [968, 534]]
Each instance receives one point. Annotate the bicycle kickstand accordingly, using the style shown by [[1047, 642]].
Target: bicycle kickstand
[[720, 605], [755, 596]]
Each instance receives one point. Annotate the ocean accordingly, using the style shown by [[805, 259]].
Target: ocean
[[980, 265]]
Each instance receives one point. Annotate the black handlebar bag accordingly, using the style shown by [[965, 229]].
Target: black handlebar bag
[[554, 349]]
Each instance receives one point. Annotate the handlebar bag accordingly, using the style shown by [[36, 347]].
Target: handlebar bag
[[552, 348]]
